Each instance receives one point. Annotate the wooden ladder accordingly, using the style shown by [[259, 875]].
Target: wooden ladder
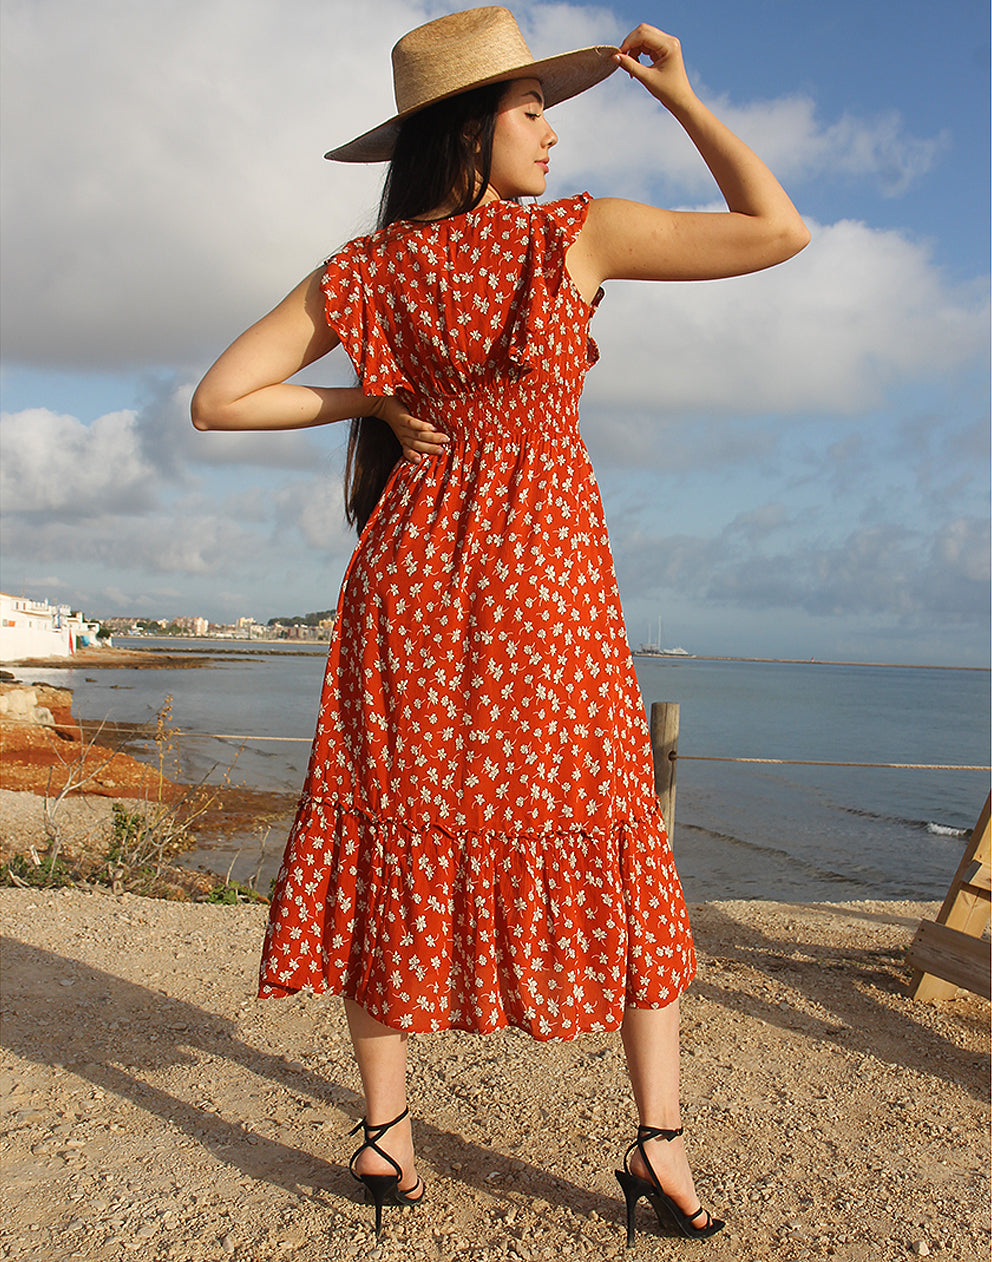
[[950, 951]]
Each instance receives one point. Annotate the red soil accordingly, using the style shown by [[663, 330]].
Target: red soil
[[42, 759]]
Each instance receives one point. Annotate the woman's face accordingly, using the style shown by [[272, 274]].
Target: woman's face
[[521, 141]]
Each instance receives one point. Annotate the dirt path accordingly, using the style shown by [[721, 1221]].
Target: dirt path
[[156, 1110]]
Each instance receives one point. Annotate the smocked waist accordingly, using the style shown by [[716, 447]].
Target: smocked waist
[[518, 412]]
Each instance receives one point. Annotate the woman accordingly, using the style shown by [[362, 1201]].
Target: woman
[[478, 843]]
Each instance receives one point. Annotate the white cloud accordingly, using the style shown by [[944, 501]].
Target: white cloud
[[127, 492], [882, 570], [619, 138], [961, 551], [879, 147], [173, 445], [760, 523], [858, 311], [163, 184], [54, 464], [797, 145], [315, 507], [163, 180], [117, 598], [176, 541]]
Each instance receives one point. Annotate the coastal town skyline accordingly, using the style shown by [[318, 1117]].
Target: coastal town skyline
[[793, 464]]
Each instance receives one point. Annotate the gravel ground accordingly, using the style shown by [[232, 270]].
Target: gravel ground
[[85, 822], [156, 1110]]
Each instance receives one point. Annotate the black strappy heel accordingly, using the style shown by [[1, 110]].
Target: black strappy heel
[[664, 1207], [383, 1188]]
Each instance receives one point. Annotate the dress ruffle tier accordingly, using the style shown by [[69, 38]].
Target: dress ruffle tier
[[429, 930]]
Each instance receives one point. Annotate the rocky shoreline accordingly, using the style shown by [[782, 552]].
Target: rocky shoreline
[[108, 658], [157, 1110]]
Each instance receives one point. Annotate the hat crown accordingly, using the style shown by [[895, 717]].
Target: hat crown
[[452, 53], [469, 50]]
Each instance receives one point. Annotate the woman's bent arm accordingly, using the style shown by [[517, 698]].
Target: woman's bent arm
[[626, 241], [246, 388]]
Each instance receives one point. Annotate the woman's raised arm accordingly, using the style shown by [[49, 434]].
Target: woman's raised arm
[[625, 240]]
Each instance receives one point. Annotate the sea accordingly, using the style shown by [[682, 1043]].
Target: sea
[[741, 830]]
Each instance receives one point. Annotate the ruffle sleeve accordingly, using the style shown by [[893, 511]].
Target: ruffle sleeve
[[353, 283], [554, 228]]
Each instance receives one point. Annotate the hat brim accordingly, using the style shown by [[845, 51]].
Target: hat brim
[[561, 77]]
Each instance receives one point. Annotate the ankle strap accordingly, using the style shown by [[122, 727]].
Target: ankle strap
[[381, 1127], [656, 1132], [372, 1136], [644, 1133]]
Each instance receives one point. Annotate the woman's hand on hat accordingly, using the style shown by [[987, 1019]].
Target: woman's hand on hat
[[416, 437], [665, 77]]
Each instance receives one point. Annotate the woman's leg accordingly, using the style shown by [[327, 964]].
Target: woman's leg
[[381, 1056], [651, 1044]]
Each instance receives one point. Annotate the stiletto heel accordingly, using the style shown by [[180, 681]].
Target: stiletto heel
[[383, 1189], [631, 1195], [634, 1188]]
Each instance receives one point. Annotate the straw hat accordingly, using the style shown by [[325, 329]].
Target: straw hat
[[467, 50]]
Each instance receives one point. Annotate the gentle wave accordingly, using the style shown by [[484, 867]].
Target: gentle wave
[[944, 830], [784, 861], [921, 825]]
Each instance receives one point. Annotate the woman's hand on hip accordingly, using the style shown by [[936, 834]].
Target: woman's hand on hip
[[417, 438], [665, 77]]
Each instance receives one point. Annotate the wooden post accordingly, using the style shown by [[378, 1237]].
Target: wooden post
[[664, 750]]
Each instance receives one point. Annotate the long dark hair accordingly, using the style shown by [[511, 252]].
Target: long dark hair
[[442, 153]]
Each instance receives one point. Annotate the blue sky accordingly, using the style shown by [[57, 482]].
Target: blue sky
[[793, 464]]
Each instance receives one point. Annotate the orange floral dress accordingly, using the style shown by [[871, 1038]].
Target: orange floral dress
[[478, 841]]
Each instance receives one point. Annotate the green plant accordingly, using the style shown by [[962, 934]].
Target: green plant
[[234, 892], [144, 838], [34, 872], [129, 830]]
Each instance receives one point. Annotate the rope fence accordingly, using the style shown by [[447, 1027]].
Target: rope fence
[[781, 762], [664, 725], [135, 729], [145, 731], [810, 762]]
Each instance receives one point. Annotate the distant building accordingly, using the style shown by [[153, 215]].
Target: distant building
[[192, 626], [302, 631], [121, 626], [34, 628]]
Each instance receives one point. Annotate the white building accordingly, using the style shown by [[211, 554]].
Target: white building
[[195, 626], [34, 628]]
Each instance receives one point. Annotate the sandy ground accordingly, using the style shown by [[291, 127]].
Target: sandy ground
[[156, 1110]]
